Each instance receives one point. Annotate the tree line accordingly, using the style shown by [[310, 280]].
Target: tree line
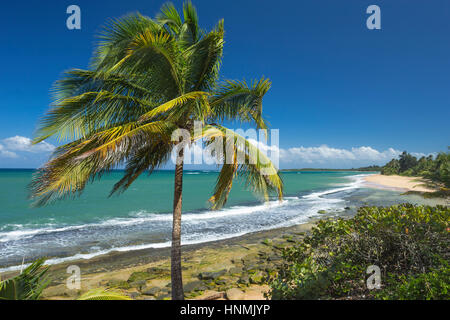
[[434, 168]]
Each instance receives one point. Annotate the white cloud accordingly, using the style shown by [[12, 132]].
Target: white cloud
[[325, 153], [296, 157], [19, 143], [328, 157], [6, 154], [10, 146]]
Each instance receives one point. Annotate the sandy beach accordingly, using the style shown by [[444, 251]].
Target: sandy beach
[[397, 182]]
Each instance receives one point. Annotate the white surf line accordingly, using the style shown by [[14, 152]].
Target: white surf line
[[87, 256]]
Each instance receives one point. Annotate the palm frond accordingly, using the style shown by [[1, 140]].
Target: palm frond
[[238, 100], [75, 164], [156, 54], [28, 285], [148, 157], [191, 33], [169, 105], [170, 17], [247, 161], [115, 39], [203, 60], [87, 101], [103, 294]]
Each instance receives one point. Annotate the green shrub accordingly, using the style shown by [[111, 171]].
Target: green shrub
[[403, 240], [433, 285]]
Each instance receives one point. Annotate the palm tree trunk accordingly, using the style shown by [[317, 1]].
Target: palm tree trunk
[[177, 280]]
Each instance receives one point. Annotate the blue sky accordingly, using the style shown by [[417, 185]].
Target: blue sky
[[342, 95]]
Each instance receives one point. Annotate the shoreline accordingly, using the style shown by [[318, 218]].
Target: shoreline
[[115, 267], [395, 182], [90, 247], [109, 269]]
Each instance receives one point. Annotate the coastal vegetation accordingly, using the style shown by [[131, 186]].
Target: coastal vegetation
[[409, 244], [330, 261], [148, 78], [436, 169], [32, 281], [28, 285]]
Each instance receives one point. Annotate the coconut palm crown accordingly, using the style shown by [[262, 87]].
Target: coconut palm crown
[[147, 78]]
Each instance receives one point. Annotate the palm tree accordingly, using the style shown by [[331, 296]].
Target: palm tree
[[147, 78]]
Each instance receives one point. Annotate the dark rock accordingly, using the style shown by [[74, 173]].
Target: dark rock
[[154, 270], [138, 284], [166, 296], [274, 258], [262, 255], [151, 291], [253, 268], [212, 275], [194, 286], [133, 295], [157, 273], [244, 279]]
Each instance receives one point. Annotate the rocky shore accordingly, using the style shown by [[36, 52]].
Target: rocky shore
[[236, 268]]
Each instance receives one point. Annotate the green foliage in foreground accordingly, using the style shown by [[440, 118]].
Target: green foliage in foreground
[[409, 243], [437, 169], [102, 294], [26, 286], [33, 280]]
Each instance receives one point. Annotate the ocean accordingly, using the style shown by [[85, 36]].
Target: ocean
[[95, 224]]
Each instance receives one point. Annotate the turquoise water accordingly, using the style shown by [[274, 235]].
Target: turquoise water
[[149, 193], [141, 217]]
